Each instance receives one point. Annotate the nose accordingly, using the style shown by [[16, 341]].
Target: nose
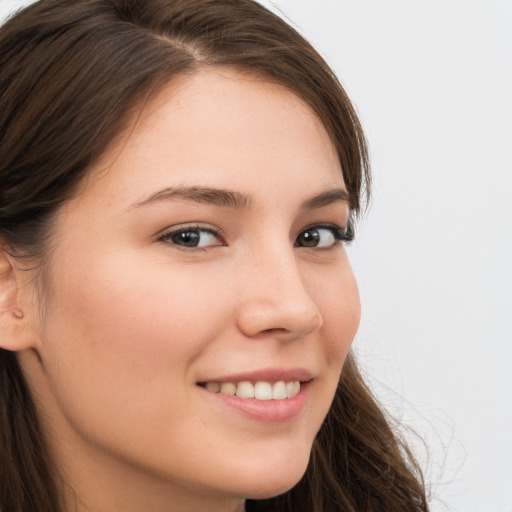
[[276, 300]]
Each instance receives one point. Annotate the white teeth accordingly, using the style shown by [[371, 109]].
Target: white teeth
[[245, 390], [279, 390], [292, 388], [261, 390]]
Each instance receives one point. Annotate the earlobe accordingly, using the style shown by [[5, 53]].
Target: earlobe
[[13, 322]]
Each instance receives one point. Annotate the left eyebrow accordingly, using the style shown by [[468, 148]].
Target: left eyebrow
[[325, 198]]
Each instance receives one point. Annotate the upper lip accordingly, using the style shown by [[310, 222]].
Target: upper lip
[[265, 374]]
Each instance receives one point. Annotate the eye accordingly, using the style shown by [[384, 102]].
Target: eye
[[323, 236], [192, 237]]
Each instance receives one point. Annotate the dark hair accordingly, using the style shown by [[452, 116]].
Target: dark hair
[[71, 74]]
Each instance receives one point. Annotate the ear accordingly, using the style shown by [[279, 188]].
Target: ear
[[15, 330]]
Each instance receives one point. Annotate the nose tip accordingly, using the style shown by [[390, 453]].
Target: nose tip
[[277, 296], [282, 320]]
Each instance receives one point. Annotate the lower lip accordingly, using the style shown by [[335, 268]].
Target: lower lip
[[267, 411]]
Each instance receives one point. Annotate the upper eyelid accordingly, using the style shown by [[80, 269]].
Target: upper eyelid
[[327, 225], [192, 227], [345, 233]]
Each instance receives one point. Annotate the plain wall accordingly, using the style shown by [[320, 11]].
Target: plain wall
[[432, 81]]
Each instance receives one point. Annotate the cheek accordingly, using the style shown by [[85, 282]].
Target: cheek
[[336, 295], [339, 303], [122, 309], [342, 321], [120, 333]]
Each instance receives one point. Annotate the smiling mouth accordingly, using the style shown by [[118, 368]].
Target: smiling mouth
[[260, 390]]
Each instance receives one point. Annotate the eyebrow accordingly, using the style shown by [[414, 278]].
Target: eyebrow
[[236, 200], [218, 197], [326, 198]]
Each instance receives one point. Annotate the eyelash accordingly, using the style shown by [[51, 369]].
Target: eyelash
[[341, 235]]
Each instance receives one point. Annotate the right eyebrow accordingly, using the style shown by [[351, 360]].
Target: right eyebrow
[[218, 197], [326, 198]]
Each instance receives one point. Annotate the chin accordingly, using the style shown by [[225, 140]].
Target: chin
[[271, 489], [272, 479]]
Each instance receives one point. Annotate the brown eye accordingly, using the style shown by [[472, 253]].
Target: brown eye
[[308, 238], [192, 237], [320, 236], [185, 238]]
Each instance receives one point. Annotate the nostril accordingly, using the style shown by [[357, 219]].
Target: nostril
[[271, 333], [276, 330]]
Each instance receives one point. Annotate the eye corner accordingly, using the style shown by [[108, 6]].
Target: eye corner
[[348, 234]]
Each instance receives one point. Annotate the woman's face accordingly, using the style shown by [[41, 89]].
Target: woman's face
[[202, 252]]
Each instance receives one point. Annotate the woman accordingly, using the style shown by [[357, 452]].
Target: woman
[[178, 178]]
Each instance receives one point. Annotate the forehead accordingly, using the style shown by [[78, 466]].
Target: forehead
[[217, 128]]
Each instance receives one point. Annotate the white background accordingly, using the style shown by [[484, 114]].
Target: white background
[[432, 81]]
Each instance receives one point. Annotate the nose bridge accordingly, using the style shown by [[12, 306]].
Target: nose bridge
[[276, 298]]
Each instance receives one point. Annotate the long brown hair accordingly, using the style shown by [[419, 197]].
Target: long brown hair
[[71, 73]]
